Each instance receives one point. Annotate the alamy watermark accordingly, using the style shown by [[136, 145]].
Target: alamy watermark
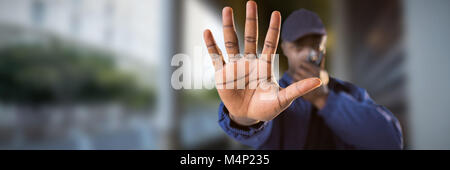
[[238, 72]]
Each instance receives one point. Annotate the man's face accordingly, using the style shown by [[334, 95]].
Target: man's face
[[298, 51], [301, 68]]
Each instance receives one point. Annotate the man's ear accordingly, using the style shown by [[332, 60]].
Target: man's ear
[[324, 49], [323, 43], [284, 47]]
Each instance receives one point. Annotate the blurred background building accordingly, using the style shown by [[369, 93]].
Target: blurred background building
[[83, 74]]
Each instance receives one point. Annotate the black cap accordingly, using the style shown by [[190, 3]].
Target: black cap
[[300, 23]]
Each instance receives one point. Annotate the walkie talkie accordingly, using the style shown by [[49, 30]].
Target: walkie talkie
[[315, 58]]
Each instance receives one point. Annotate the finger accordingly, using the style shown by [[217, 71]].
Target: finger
[[272, 37], [229, 33], [287, 95], [251, 28], [213, 50], [311, 68], [304, 74], [297, 77]]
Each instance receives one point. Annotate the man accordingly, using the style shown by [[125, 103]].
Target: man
[[330, 114]]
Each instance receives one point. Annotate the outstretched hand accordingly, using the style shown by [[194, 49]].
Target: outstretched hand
[[245, 83]]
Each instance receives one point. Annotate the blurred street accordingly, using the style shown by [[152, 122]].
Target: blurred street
[[96, 74]]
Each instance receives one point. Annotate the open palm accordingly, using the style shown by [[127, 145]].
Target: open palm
[[246, 83]]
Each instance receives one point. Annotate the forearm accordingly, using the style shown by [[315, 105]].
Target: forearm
[[254, 135], [361, 124]]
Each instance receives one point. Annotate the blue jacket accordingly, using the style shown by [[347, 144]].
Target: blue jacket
[[349, 120]]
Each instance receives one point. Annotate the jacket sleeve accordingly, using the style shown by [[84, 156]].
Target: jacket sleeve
[[275, 134], [357, 120], [253, 136]]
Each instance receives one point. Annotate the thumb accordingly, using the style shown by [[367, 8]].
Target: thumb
[[298, 89]]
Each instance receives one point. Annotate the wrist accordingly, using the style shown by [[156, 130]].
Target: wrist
[[321, 100], [243, 121]]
